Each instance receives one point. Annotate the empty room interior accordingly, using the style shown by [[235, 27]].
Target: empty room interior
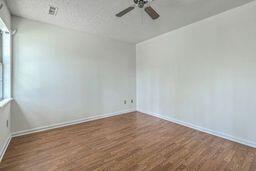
[[127, 85]]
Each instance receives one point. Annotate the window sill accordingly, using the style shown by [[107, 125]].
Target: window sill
[[4, 102]]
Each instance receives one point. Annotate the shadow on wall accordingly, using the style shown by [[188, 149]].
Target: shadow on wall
[[26, 116], [18, 118]]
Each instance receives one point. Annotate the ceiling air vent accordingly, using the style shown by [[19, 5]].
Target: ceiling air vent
[[53, 10]]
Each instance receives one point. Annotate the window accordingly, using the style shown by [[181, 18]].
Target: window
[[5, 66], [1, 67], [5, 56]]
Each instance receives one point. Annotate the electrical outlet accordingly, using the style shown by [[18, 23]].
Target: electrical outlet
[[125, 101], [132, 101], [7, 123]]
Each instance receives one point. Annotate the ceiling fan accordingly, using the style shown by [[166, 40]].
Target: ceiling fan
[[141, 3]]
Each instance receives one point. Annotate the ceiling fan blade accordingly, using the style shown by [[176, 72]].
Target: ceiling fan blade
[[152, 13], [120, 14]]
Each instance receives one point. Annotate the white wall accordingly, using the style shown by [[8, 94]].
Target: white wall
[[5, 131], [62, 75], [203, 74], [5, 105]]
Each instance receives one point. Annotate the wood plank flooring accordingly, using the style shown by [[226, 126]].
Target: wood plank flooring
[[133, 141]]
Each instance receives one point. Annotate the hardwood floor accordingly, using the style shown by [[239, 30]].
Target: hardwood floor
[[131, 141]]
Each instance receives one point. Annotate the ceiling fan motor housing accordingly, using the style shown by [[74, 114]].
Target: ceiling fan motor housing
[[140, 3]]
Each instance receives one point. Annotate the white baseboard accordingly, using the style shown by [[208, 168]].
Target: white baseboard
[[59, 125], [202, 129], [6, 144]]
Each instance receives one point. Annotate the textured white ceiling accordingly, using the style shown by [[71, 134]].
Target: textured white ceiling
[[98, 16]]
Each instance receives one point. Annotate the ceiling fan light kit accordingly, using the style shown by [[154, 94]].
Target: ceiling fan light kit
[[140, 3]]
